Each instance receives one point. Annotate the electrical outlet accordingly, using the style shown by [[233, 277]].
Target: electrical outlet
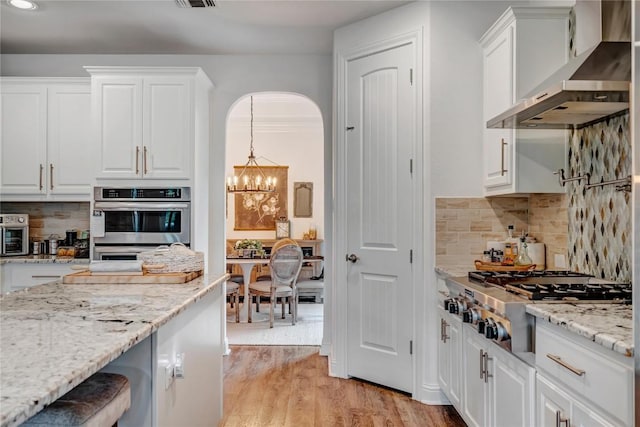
[[179, 366], [560, 261]]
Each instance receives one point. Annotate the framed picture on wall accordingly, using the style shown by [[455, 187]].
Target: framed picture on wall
[[303, 199], [259, 211]]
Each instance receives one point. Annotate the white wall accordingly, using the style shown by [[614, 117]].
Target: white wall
[[456, 95], [287, 131]]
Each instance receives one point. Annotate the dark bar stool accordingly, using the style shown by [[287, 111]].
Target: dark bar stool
[[99, 401]]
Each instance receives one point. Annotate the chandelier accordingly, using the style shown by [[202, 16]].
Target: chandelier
[[252, 180]]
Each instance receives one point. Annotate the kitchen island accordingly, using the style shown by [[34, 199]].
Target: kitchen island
[[54, 336]]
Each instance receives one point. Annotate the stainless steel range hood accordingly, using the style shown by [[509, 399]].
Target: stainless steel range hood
[[590, 87]]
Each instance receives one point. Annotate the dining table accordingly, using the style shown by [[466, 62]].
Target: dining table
[[247, 264]]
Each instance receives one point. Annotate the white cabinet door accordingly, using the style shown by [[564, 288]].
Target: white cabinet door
[[455, 354], [167, 127], [444, 353], [551, 404], [450, 357], [145, 126], [24, 137], [522, 161], [475, 400], [498, 96], [118, 125], [513, 391], [582, 416], [69, 146]]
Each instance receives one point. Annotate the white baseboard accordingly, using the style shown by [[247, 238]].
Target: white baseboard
[[432, 395]]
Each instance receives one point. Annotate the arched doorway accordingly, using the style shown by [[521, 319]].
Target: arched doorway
[[288, 139]]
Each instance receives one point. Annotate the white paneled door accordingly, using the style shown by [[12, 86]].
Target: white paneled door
[[380, 140]]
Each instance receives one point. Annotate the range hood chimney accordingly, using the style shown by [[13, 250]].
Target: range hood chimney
[[592, 86]]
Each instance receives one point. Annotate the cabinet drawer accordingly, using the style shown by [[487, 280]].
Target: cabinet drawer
[[602, 377]]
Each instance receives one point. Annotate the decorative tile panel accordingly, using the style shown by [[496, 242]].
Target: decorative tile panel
[[600, 218]]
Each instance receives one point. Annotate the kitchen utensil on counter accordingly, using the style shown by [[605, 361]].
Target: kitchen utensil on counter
[[71, 237]]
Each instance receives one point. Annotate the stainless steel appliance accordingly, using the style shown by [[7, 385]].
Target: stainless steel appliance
[[590, 87], [14, 234], [495, 302], [132, 220]]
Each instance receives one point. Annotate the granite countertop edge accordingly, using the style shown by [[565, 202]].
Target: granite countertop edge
[[66, 379], [609, 325]]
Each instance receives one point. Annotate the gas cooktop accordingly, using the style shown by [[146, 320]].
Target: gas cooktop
[[502, 278], [554, 286]]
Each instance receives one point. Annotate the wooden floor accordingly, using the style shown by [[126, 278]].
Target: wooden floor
[[288, 386]]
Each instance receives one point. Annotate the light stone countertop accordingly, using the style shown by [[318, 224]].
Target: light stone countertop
[[454, 270], [42, 259], [54, 336], [610, 325]]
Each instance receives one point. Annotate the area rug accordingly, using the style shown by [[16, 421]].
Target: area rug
[[306, 331]]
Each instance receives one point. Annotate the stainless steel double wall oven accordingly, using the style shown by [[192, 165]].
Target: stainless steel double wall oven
[[127, 221]]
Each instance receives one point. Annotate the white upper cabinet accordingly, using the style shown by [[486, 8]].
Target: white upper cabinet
[[144, 122], [520, 50], [46, 139]]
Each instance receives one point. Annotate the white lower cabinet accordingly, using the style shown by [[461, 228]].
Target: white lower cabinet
[[559, 408], [581, 381], [449, 357], [20, 276], [498, 388]]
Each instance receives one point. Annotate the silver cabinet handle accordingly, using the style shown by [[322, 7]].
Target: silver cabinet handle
[[502, 169], [559, 361], [561, 420], [443, 330], [144, 161], [482, 364], [137, 160], [41, 170], [486, 367], [51, 175]]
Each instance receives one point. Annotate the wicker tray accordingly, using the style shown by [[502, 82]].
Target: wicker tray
[[176, 258], [494, 266]]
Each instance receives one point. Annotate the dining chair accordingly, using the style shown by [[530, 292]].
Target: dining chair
[[233, 293], [284, 265]]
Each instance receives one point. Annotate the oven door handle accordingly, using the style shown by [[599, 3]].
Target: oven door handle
[[130, 206]]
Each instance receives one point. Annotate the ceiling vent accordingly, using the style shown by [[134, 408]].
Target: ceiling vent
[[196, 3]]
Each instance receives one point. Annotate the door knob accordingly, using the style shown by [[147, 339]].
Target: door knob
[[353, 258]]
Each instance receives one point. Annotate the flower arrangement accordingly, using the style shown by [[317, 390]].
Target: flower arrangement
[[248, 244]]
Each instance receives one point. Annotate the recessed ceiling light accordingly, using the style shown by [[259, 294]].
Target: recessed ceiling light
[[23, 4]]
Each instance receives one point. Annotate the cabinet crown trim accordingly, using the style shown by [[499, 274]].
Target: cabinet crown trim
[[124, 70], [522, 12]]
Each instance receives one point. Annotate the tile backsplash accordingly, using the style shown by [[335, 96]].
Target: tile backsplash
[[464, 225], [46, 218], [599, 240], [591, 228]]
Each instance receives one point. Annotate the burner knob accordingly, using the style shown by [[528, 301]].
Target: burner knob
[[490, 329], [489, 332], [453, 307], [447, 303], [481, 326], [466, 316], [501, 333]]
